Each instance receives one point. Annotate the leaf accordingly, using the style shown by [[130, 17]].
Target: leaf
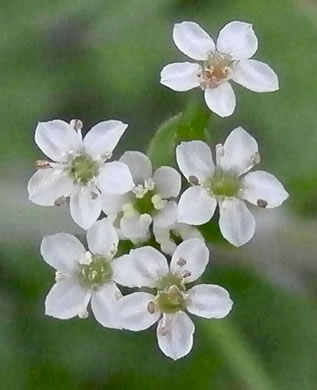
[[187, 126]]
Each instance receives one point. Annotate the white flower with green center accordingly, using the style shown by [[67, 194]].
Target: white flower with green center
[[227, 184], [149, 200], [168, 304], [80, 169], [83, 277], [227, 60]]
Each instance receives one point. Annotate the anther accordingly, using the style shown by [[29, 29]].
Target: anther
[[256, 158], [60, 201], [151, 307], [42, 164], [94, 195], [186, 274], [193, 180], [76, 124], [181, 262], [262, 203], [163, 331]]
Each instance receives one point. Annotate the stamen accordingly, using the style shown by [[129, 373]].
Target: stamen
[[262, 203], [193, 180], [220, 152], [42, 164], [151, 307], [256, 158], [181, 262], [76, 124], [60, 201], [186, 274]]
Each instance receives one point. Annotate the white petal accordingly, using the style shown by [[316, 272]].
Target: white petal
[[57, 139], [85, 206], [181, 76], [104, 137], [194, 256], [115, 178], [187, 231], [62, 251], [240, 152], [104, 305], [139, 164], [134, 313], [166, 217], [175, 335], [209, 301], [236, 222], [136, 228], [67, 299], [256, 76], [261, 186], [167, 182], [194, 159], [143, 267], [102, 238], [162, 237], [221, 100], [112, 204], [238, 39], [47, 185], [195, 206], [192, 40]]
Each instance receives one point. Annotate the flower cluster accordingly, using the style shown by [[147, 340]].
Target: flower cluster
[[125, 200]]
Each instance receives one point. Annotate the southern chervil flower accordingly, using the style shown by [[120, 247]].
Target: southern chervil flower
[[80, 169], [229, 59], [170, 236], [226, 184], [83, 276], [147, 267], [148, 201]]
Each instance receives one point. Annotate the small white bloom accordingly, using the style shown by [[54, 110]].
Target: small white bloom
[[147, 267], [79, 170], [83, 277], [227, 60], [148, 201], [226, 184], [170, 236]]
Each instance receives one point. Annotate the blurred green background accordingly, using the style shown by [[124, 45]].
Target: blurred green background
[[97, 60]]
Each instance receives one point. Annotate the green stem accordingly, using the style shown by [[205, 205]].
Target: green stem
[[239, 355]]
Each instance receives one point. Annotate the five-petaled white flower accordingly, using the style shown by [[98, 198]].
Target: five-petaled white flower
[[229, 59], [226, 185], [147, 267], [79, 169], [83, 276], [148, 201]]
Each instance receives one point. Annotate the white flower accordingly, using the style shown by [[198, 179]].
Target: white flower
[[83, 276], [148, 201], [147, 267], [227, 60], [226, 184], [79, 170], [170, 236]]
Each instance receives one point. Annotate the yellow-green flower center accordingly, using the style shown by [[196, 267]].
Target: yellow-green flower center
[[145, 205], [83, 169], [170, 298], [96, 273], [224, 184]]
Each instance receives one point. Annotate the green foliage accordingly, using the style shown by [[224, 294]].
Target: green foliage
[[190, 125]]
